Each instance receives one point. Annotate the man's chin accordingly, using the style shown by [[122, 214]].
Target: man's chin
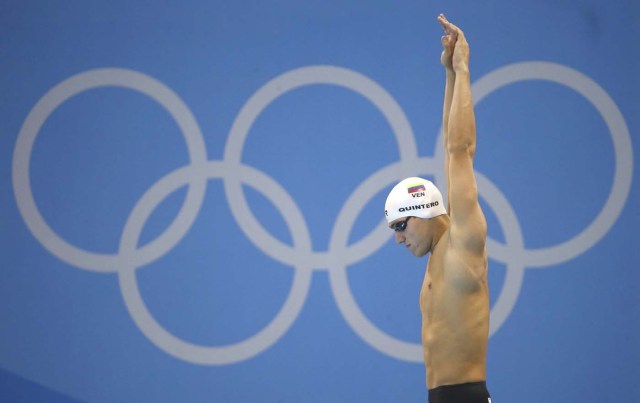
[[419, 252]]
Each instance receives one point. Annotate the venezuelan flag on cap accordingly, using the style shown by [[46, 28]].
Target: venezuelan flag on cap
[[417, 187]]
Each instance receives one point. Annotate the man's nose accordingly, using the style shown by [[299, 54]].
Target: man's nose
[[399, 237]]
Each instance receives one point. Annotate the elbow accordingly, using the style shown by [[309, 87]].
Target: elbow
[[461, 148]]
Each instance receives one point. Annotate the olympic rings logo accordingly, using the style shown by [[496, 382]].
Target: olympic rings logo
[[301, 256]]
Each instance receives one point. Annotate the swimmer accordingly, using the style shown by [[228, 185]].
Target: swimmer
[[454, 299]]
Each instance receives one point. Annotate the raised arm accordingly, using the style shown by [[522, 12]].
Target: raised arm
[[468, 228], [447, 51]]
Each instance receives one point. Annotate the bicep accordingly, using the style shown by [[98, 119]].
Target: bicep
[[468, 224]]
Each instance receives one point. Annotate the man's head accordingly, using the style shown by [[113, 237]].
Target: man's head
[[414, 197], [419, 198]]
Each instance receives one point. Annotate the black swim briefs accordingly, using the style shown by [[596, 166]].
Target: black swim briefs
[[473, 392]]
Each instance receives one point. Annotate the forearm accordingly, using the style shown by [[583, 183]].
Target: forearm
[[461, 119], [446, 108]]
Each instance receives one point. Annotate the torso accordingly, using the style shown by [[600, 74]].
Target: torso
[[455, 316]]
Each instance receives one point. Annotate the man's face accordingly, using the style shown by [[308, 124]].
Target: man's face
[[412, 231]]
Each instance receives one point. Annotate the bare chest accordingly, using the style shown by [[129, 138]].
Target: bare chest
[[449, 282]]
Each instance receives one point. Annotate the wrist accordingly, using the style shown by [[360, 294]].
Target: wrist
[[461, 69]]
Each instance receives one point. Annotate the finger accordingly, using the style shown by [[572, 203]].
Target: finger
[[456, 32], [450, 29], [447, 25], [443, 21]]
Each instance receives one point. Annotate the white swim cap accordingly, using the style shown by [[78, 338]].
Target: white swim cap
[[415, 197]]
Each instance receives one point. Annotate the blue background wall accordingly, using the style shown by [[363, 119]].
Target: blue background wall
[[192, 192]]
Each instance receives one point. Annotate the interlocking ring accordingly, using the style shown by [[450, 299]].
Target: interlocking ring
[[301, 256]]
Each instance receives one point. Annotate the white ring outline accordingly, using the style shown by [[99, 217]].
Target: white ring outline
[[191, 352], [378, 339], [598, 97], [66, 89], [291, 80]]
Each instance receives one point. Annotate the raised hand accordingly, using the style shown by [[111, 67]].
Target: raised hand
[[455, 54], [448, 41]]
